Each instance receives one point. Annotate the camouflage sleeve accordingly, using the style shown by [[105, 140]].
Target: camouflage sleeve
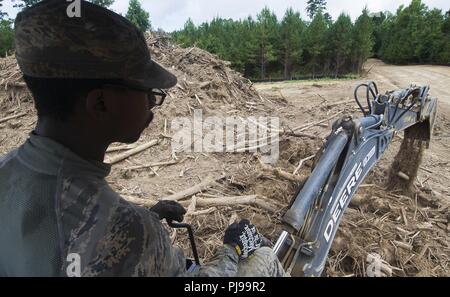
[[160, 258], [136, 244], [224, 264], [115, 238]]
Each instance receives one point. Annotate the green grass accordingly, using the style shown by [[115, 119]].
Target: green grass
[[316, 80], [325, 79]]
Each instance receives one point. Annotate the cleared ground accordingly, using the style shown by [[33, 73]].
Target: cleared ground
[[438, 77]]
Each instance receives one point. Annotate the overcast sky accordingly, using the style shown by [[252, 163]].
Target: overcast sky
[[172, 14]]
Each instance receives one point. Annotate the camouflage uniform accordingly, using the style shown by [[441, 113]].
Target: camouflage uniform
[[54, 203]]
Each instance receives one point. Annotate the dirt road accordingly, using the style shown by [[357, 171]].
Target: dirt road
[[438, 77]]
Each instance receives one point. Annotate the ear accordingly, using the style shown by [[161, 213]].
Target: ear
[[95, 104]]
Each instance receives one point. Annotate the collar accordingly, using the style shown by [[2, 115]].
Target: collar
[[47, 156]]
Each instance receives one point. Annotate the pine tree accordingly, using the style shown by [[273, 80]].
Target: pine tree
[[402, 35], [138, 16], [249, 46], [315, 41], [187, 36], [6, 37], [6, 33], [328, 19], [2, 13], [432, 38], [444, 56], [377, 20], [291, 43], [25, 3], [340, 42], [104, 3], [315, 6], [362, 40], [266, 28]]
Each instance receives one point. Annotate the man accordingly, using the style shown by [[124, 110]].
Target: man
[[93, 83]]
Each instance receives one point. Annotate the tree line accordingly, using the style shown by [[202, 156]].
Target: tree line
[[135, 14], [414, 35], [265, 47]]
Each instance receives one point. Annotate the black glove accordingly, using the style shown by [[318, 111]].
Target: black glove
[[243, 237], [169, 210]]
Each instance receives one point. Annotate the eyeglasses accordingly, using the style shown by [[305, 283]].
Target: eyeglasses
[[155, 96]]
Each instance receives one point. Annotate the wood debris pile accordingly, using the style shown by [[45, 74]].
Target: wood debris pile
[[203, 78]]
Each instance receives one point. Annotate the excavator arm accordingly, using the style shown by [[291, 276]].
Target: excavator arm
[[352, 149]]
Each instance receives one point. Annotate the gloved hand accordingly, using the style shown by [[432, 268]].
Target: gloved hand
[[169, 210], [243, 237]]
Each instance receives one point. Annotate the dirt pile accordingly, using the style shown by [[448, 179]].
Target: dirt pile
[[206, 82], [410, 235], [12, 88]]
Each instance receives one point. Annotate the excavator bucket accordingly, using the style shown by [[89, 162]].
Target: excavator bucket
[[417, 138], [423, 129]]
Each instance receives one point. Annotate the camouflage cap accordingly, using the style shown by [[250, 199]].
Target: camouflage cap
[[99, 44]]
